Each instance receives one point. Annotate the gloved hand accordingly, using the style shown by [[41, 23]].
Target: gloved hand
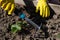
[[7, 5], [42, 6]]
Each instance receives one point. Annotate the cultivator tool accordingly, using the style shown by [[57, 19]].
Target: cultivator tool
[[23, 16], [32, 23]]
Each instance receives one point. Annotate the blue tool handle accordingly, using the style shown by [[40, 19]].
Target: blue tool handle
[[22, 15]]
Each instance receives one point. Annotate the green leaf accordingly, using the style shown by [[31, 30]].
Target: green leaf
[[19, 22], [24, 23], [15, 28]]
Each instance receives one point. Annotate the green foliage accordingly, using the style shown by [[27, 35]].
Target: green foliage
[[58, 35], [18, 26], [15, 28], [24, 23]]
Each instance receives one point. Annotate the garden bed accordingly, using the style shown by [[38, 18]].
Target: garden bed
[[48, 31]]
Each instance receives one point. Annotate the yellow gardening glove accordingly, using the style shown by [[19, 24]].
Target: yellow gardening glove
[[8, 5], [43, 7]]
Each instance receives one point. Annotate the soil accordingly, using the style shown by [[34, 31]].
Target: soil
[[48, 31]]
